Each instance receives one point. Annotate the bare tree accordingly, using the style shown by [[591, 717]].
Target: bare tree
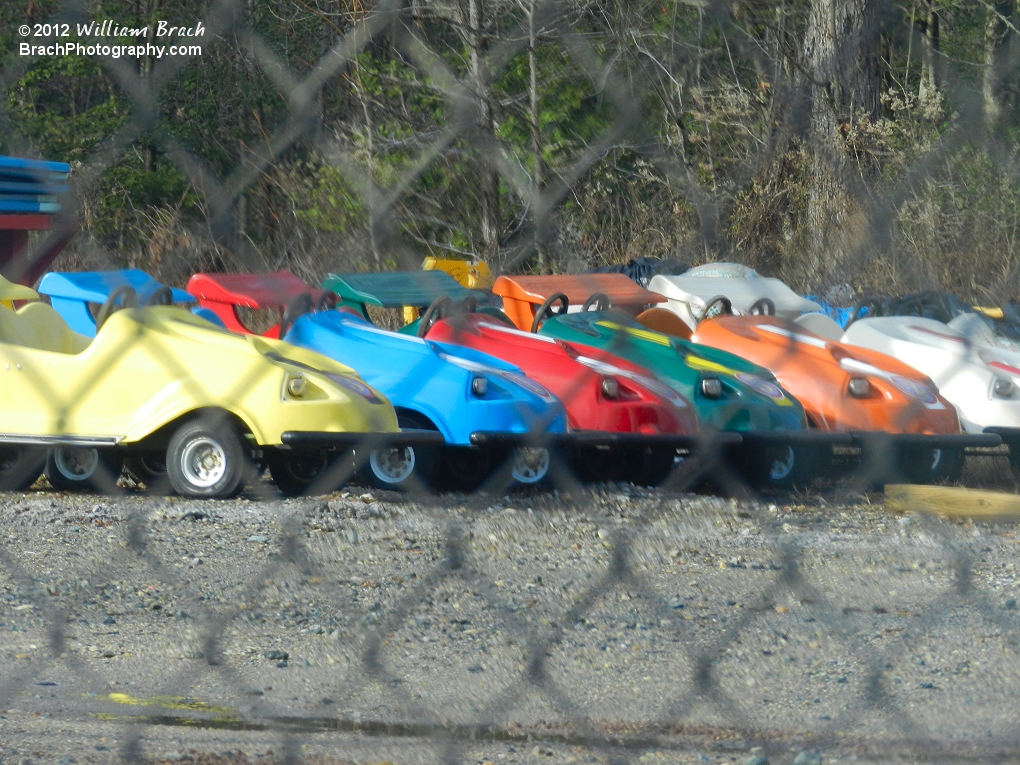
[[999, 26], [842, 60], [488, 180], [930, 26]]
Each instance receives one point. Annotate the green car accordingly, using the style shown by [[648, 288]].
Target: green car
[[727, 392]]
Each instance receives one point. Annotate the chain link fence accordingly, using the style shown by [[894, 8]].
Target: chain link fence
[[582, 620]]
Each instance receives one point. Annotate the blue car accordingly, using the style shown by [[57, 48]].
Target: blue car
[[81, 298], [473, 399], [491, 416]]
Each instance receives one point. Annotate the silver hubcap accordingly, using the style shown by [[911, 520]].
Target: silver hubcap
[[530, 465], [204, 462], [936, 458], [392, 465], [76, 464], [782, 464]]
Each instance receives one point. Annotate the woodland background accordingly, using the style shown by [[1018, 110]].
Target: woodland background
[[828, 142]]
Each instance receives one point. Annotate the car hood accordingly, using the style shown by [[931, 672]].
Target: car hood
[[182, 324], [352, 327]]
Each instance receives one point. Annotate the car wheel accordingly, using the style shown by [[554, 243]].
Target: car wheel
[[651, 465], [931, 465], [401, 468], [523, 466], [600, 464], [298, 474], [208, 459], [775, 466], [529, 465], [84, 468], [149, 467], [464, 468], [20, 466]]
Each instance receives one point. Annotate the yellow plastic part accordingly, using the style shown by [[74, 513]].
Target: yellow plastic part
[[9, 292], [475, 275], [149, 366], [992, 312]]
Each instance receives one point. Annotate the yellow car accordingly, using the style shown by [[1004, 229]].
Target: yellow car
[[159, 386]]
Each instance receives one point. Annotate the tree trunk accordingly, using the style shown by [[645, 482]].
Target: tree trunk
[[488, 180], [841, 53], [370, 200], [539, 215], [998, 37], [930, 43], [144, 65]]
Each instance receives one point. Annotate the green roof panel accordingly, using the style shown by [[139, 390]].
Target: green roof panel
[[396, 288]]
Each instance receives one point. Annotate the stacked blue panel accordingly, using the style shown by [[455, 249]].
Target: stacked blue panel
[[31, 186]]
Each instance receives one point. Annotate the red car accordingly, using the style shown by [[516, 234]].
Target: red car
[[600, 391], [223, 294]]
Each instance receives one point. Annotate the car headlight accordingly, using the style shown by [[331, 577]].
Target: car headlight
[[711, 387], [610, 387], [296, 387], [859, 387], [1003, 387], [479, 386]]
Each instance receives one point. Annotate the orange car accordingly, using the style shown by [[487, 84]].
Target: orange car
[[865, 395], [529, 300], [842, 387], [845, 388]]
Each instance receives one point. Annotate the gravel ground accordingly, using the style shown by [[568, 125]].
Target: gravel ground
[[606, 625]]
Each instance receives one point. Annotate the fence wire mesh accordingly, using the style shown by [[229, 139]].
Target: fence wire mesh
[[687, 597]]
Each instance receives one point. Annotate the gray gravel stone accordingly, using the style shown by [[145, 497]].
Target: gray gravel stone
[[807, 758]]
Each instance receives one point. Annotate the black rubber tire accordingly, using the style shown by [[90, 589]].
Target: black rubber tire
[[20, 466], [101, 468], [464, 468], [301, 473], [149, 467], [775, 466], [426, 461], [420, 479], [651, 465], [535, 470], [925, 466], [598, 465], [224, 443]]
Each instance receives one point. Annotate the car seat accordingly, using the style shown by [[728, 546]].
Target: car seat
[[664, 321]]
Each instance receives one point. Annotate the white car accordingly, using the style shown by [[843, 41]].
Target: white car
[[979, 378], [974, 367], [691, 294]]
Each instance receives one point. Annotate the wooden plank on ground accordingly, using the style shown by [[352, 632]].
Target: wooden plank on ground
[[953, 502]]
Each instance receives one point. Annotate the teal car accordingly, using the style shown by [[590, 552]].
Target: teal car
[[728, 393]]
